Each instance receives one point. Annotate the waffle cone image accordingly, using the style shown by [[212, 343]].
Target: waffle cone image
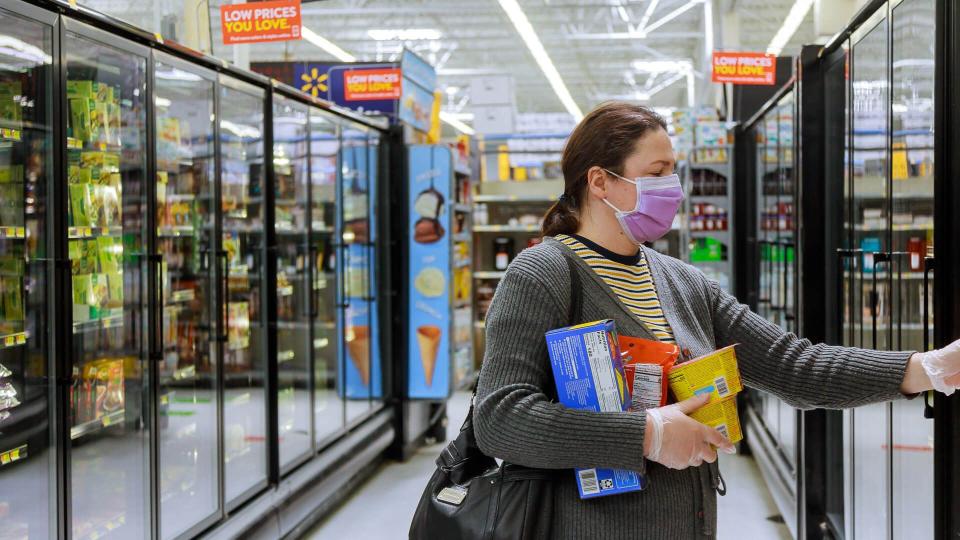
[[428, 337], [358, 344]]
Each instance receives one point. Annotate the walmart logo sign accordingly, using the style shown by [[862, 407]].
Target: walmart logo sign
[[313, 82]]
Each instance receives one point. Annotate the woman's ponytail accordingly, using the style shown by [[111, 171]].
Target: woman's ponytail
[[562, 218]]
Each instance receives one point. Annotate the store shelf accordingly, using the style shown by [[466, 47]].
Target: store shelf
[[75, 233], [176, 231], [183, 295], [98, 324], [488, 275], [514, 199], [721, 201], [462, 264], [14, 454], [506, 228], [465, 237], [13, 340], [13, 232], [881, 276], [897, 228], [719, 235], [7, 134], [465, 208], [93, 426], [908, 327]]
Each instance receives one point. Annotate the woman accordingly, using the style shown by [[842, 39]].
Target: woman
[[621, 191]]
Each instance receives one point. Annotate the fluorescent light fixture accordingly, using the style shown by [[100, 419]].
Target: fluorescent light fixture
[[456, 124], [662, 66], [405, 34], [622, 11], [797, 13], [671, 16], [646, 15], [162, 102], [530, 38], [326, 45], [462, 116]]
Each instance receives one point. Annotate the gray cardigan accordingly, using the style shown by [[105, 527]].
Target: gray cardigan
[[516, 421]]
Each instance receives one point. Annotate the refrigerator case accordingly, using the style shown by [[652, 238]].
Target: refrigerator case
[[107, 248], [430, 177], [188, 374], [25, 383]]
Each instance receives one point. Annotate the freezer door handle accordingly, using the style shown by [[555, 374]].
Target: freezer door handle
[[314, 299], [222, 259], [929, 264], [156, 261], [878, 259]]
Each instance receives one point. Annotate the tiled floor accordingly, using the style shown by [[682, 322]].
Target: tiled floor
[[382, 507]]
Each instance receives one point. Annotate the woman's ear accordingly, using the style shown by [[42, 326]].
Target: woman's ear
[[597, 182]]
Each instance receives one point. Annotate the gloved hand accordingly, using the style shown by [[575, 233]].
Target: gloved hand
[[677, 441], [943, 367]]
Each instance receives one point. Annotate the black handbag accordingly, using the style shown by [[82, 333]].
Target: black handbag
[[470, 497]]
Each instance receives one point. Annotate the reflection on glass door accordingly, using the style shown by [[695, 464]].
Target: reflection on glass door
[[869, 316], [324, 156], [189, 475], [291, 168], [786, 262], [912, 162], [355, 271], [240, 259], [26, 460], [376, 359], [106, 90]]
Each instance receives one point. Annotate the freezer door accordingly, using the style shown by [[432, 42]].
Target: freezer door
[[241, 268], [26, 169], [188, 372], [107, 187], [291, 167], [328, 406]]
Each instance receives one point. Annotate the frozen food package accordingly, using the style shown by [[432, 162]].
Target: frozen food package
[[4, 372], [722, 416], [7, 390], [79, 205], [108, 253], [80, 118], [715, 373], [647, 352]]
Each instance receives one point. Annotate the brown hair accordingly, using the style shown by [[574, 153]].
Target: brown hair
[[604, 138]]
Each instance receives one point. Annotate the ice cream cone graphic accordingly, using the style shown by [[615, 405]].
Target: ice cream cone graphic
[[358, 344], [429, 339]]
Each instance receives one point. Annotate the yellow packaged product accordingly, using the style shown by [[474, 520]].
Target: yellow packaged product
[[715, 373], [722, 416]]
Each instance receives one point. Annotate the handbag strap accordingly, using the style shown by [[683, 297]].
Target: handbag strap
[[465, 445]]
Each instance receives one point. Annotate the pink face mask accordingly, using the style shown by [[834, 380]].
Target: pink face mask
[[658, 200]]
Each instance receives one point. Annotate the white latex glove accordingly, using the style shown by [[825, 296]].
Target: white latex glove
[[943, 367], [677, 441]]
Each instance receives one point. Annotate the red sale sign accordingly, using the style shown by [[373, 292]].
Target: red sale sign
[[372, 84], [278, 20], [744, 68]]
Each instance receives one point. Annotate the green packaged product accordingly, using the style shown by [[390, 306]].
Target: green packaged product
[[79, 205], [100, 296], [111, 205], [82, 297], [80, 89], [109, 251], [80, 126], [12, 299], [115, 283], [11, 174], [11, 205]]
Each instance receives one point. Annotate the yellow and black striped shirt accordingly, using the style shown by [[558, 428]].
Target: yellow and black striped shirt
[[630, 280]]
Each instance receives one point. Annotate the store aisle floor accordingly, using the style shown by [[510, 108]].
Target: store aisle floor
[[382, 507]]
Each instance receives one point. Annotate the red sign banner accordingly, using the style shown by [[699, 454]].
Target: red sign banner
[[372, 84], [258, 22], [744, 68]]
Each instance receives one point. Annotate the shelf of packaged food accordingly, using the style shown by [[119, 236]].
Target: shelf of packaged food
[[182, 295], [488, 275], [285, 356], [75, 233], [284, 229], [506, 228], [13, 232], [718, 235], [286, 290], [13, 340], [8, 134], [186, 197], [462, 264], [881, 276], [93, 426], [514, 199], [77, 144], [14, 454], [176, 231], [721, 201], [885, 327], [98, 324], [464, 237], [465, 208], [905, 227], [183, 374], [291, 202]]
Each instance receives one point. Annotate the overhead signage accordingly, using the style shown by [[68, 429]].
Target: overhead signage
[[278, 20], [372, 84], [747, 68], [419, 83]]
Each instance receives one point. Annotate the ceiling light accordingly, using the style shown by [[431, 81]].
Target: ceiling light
[[326, 45], [623, 14], [456, 124], [662, 66], [405, 34], [530, 38], [797, 13]]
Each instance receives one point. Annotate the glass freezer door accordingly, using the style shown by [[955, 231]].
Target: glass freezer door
[[868, 317], [26, 456], [912, 161], [240, 262], [106, 187], [189, 475], [291, 166], [329, 408]]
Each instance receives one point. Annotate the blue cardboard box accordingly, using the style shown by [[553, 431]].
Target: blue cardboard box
[[589, 375]]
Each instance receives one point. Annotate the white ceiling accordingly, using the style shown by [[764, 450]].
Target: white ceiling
[[588, 40]]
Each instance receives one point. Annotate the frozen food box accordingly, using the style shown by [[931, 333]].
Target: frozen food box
[[646, 364], [589, 376], [717, 374]]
